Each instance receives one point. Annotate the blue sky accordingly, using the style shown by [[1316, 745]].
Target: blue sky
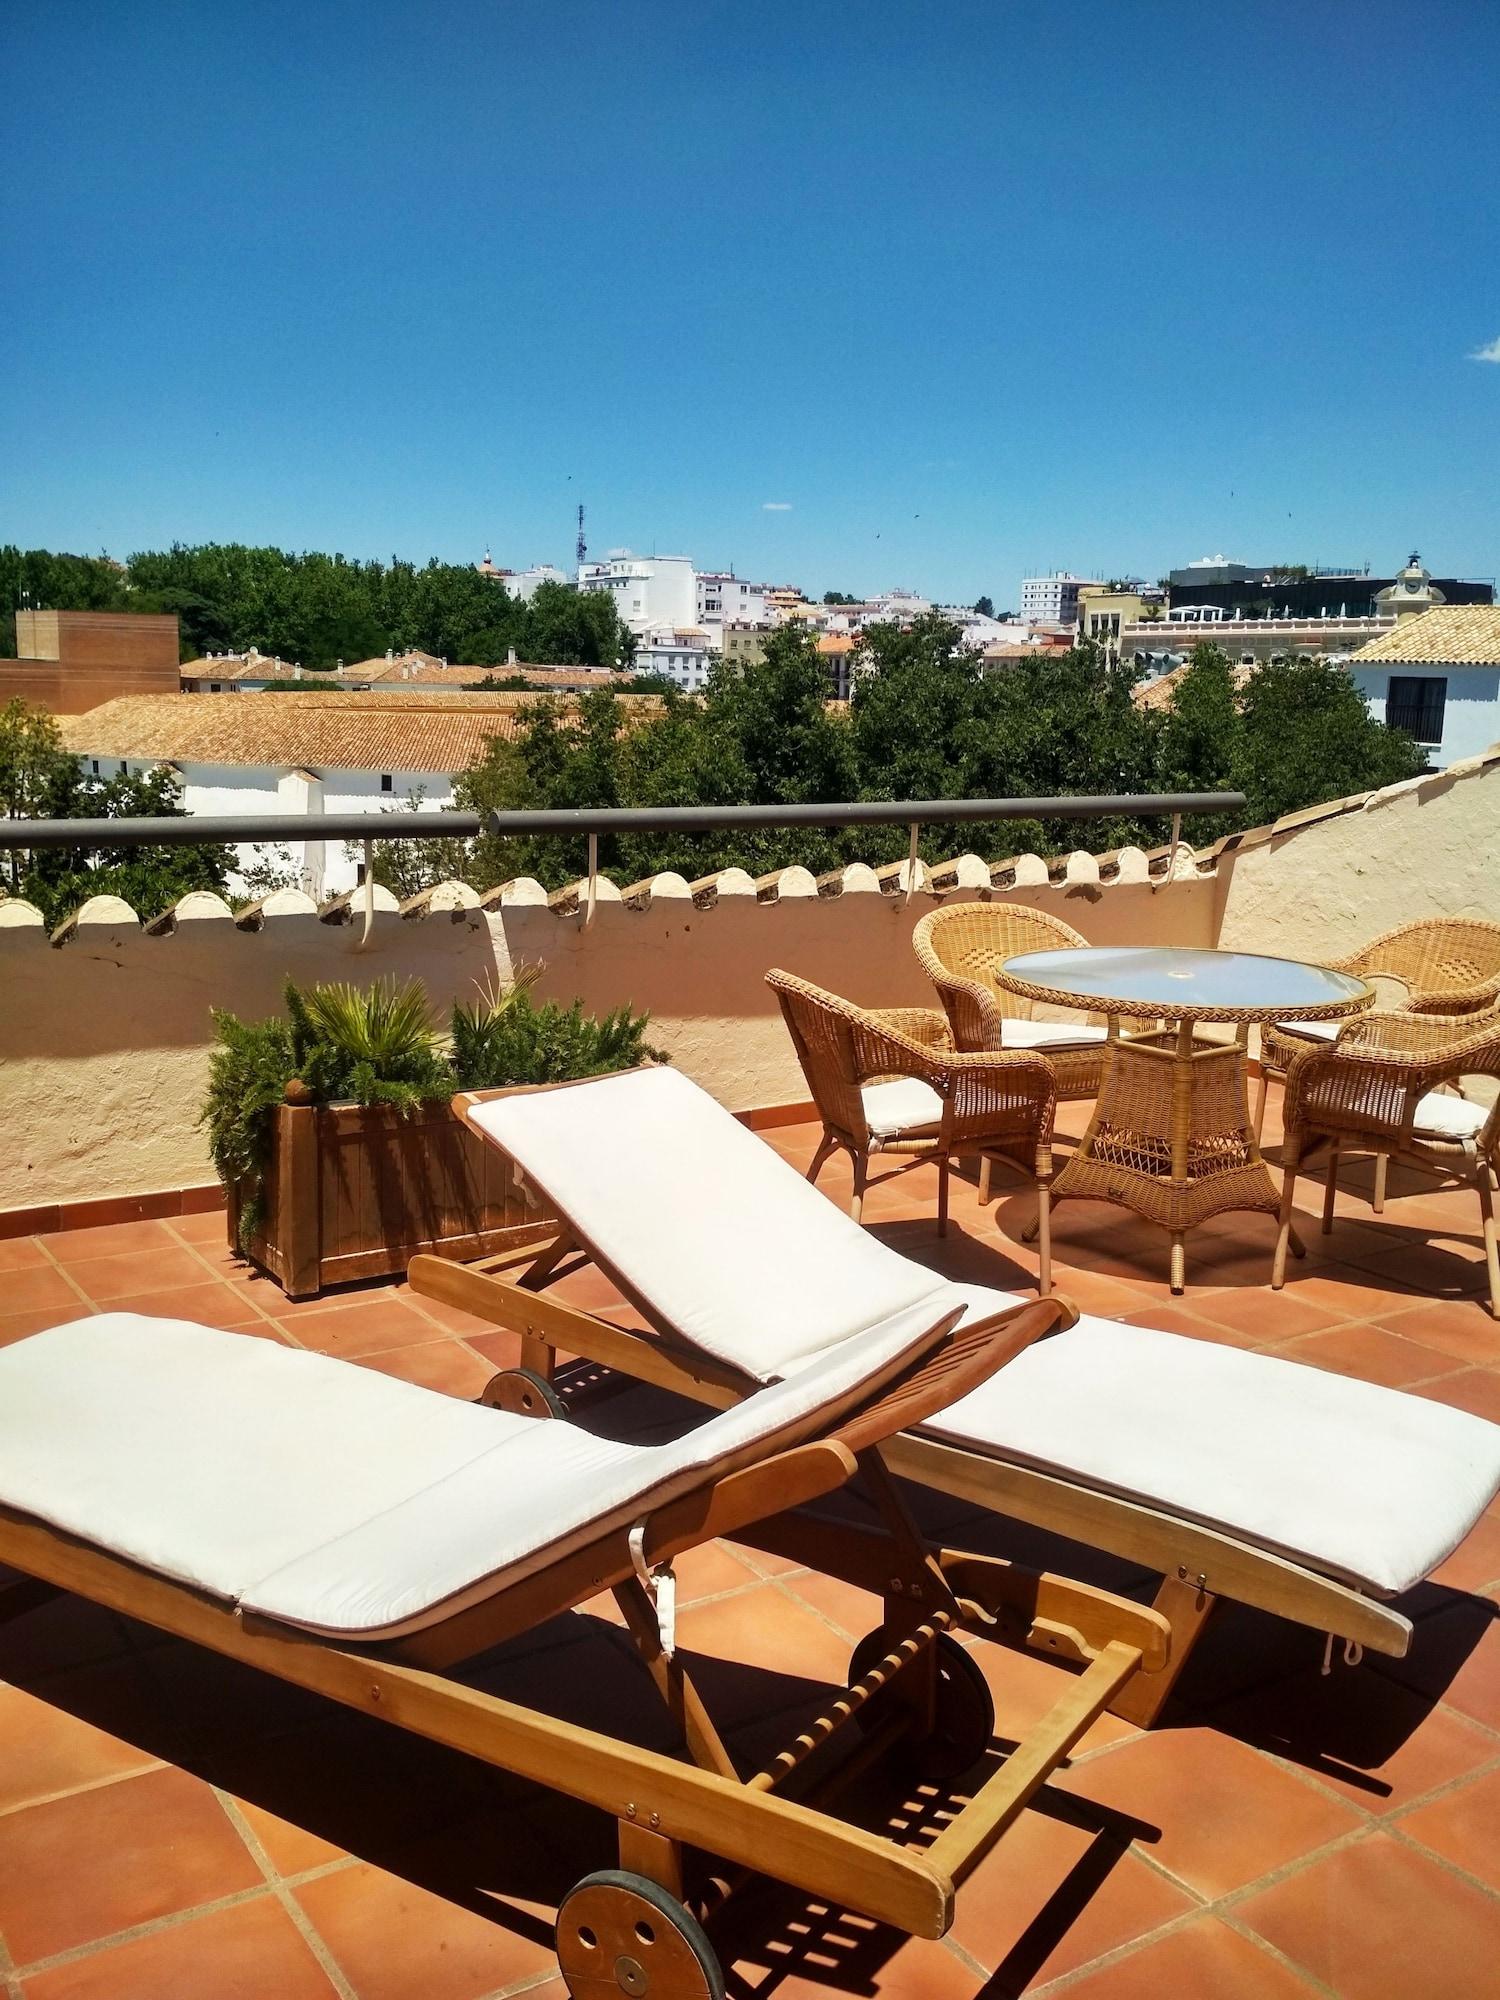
[[846, 295]]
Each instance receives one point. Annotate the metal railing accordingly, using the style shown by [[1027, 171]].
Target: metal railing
[[250, 828], [253, 828]]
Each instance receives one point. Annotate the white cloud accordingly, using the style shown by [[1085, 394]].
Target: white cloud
[[785, 506], [1489, 353]]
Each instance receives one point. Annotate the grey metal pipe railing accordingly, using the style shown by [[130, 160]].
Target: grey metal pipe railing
[[250, 828]]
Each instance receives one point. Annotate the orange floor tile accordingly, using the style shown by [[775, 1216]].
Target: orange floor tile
[[173, 1827]]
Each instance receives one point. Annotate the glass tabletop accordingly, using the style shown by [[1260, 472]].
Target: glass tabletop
[[1174, 980]]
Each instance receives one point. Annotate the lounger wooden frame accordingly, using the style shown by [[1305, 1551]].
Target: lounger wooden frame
[[1198, 1564], [662, 1804]]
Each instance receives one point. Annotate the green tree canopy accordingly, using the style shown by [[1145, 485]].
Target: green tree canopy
[[318, 609]]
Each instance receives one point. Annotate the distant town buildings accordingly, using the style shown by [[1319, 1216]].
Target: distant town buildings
[[1053, 599], [648, 591], [522, 583], [1437, 676]]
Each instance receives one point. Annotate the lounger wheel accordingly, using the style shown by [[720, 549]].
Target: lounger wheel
[[623, 1933], [965, 1708], [523, 1393]]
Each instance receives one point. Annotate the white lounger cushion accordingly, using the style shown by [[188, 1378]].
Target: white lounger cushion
[[725, 1243], [729, 1245], [336, 1498], [1356, 1481]]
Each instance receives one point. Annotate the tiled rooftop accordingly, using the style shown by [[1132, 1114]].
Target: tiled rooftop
[[1448, 635], [172, 1825]]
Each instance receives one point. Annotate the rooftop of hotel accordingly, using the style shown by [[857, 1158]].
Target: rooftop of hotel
[[172, 1823]]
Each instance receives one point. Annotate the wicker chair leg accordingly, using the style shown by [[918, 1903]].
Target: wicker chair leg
[[1179, 1263], [943, 1165], [1261, 1087], [1284, 1232], [861, 1174], [826, 1146], [984, 1180], [1330, 1187], [1377, 1200], [1044, 1238], [1491, 1248]]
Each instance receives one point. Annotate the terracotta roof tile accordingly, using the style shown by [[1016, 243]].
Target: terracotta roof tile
[[346, 731], [1455, 635]]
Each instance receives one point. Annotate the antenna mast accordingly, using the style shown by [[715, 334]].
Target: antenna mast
[[583, 547]]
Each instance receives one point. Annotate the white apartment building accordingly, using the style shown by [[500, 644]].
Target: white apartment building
[[1052, 600], [649, 592], [726, 599], [683, 655]]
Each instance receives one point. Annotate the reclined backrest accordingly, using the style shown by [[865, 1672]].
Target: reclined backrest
[[716, 1235]]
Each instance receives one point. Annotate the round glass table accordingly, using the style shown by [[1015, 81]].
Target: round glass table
[[1170, 1137]]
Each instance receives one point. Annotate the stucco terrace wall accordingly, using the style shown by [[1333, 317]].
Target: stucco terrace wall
[[105, 1030]]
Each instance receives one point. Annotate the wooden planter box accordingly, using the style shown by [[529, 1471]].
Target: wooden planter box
[[355, 1192]]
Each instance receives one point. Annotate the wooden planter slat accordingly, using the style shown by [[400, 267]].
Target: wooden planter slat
[[356, 1192]]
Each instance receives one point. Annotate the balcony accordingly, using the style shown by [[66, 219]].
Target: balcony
[[173, 1823]]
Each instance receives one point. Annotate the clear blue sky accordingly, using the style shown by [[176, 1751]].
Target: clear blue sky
[[960, 290]]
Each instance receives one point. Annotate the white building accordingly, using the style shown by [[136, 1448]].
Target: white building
[[648, 591], [681, 654], [521, 583], [1052, 600], [1437, 676], [295, 753], [726, 599]]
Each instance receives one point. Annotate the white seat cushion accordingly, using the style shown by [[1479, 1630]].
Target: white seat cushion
[[1361, 1483], [712, 1232], [1358, 1482], [1441, 1115], [904, 1104], [1310, 1031], [1049, 1034], [338, 1499]]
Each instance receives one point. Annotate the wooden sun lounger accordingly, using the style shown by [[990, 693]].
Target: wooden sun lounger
[[910, 1682], [1198, 1559]]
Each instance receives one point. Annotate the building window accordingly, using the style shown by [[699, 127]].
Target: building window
[[385, 781], [1416, 703]]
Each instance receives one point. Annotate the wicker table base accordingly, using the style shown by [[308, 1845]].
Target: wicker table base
[[1171, 1138]]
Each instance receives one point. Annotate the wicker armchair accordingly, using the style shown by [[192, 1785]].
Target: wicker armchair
[[1380, 1088], [892, 1083], [1448, 965], [961, 946]]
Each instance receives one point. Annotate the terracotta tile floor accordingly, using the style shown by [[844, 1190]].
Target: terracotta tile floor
[[173, 1828]]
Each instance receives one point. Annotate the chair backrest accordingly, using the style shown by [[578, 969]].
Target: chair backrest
[[965, 944], [1452, 955], [824, 1032]]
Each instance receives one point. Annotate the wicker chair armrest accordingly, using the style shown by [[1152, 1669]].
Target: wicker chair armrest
[[984, 1091], [928, 1025], [1457, 1001], [1399, 1032], [1357, 1086], [973, 1011]]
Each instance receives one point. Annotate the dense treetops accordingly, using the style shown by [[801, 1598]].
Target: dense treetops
[[317, 610], [928, 724]]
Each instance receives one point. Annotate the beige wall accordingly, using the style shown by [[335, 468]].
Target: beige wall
[[104, 1038], [1318, 889]]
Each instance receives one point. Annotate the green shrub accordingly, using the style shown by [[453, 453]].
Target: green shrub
[[516, 1041], [379, 1045]]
